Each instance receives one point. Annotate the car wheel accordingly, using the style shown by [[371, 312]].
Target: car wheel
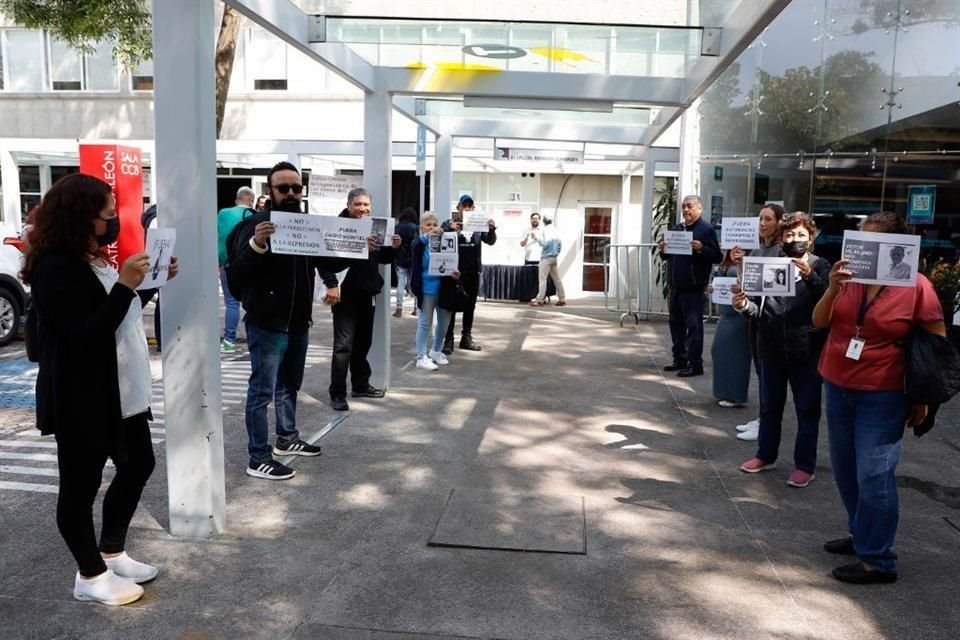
[[9, 317]]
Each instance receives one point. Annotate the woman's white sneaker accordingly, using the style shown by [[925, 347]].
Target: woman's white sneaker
[[426, 363], [438, 357], [749, 426], [107, 588], [126, 567]]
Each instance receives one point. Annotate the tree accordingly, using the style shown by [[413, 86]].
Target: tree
[[81, 24]]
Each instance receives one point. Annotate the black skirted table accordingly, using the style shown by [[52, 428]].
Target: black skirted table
[[512, 282]]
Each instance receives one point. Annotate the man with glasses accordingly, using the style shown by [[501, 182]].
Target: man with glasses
[[278, 299]]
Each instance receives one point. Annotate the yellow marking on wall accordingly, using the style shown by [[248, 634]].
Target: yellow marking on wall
[[453, 66], [563, 56]]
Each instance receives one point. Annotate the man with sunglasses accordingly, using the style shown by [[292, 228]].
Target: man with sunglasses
[[278, 299], [353, 313]]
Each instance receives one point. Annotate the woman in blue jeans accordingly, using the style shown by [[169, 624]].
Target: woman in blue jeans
[[863, 365], [428, 289]]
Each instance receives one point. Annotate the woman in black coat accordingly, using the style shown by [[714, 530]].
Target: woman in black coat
[[93, 385]]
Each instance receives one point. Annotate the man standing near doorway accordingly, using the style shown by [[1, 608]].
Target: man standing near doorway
[[531, 241], [227, 219], [353, 314], [687, 276], [471, 265]]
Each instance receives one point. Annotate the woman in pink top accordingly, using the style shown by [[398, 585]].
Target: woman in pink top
[[863, 367]]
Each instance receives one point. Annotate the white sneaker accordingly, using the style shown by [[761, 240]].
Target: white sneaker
[[749, 434], [438, 357], [108, 588], [126, 567], [753, 424], [426, 363]]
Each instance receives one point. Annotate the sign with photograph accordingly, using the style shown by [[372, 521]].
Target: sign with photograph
[[301, 234], [384, 229], [769, 277], [678, 243], [721, 290], [882, 258], [444, 254], [740, 232], [159, 246], [328, 194]]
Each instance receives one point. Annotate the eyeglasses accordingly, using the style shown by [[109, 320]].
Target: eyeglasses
[[287, 188]]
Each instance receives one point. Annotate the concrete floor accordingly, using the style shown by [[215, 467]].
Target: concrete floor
[[560, 404]]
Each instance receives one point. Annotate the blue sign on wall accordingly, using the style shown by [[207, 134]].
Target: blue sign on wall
[[921, 203]]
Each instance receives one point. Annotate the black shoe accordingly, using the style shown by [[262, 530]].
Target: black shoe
[[447, 346], [296, 448], [368, 392], [856, 574], [676, 365], [339, 404], [467, 343], [271, 470], [689, 372], [841, 546]]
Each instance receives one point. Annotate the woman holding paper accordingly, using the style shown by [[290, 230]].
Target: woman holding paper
[[94, 384], [731, 347], [863, 367], [786, 350], [429, 291]]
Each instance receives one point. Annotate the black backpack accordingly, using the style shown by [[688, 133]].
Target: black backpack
[[234, 281]]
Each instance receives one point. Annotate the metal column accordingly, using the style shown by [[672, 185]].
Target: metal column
[[10, 177], [377, 162], [443, 177], [185, 166], [646, 231]]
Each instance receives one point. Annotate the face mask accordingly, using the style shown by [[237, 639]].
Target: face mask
[[795, 248], [110, 235]]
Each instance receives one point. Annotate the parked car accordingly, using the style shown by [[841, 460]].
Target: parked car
[[14, 296]]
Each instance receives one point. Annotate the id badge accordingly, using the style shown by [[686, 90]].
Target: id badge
[[855, 348]]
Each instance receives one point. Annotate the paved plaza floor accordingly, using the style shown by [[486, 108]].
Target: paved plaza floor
[[556, 485]]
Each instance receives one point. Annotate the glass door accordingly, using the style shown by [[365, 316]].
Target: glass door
[[597, 226]]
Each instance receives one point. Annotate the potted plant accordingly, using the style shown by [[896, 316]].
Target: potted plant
[[945, 277]]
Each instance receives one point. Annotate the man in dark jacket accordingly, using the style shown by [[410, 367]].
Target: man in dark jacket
[[353, 314], [408, 230], [688, 276], [471, 265], [278, 299]]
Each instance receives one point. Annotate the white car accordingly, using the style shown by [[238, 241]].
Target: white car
[[14, 296]]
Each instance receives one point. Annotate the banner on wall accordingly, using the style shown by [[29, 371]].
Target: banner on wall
[[122, 168]]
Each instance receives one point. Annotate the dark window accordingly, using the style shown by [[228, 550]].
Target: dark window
[[142, 83], [73, 85], [270, 85], [58, 172], [30, 179]]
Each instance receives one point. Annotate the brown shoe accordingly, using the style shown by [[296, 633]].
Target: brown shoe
[[561, 303], [398, 313]]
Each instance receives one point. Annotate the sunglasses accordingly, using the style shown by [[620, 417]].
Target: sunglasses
[[287, 188]]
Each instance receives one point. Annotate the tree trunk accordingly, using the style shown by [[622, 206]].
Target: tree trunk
[[226, 48]]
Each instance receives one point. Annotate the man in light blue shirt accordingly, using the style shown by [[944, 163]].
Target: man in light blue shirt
[[550, 243]]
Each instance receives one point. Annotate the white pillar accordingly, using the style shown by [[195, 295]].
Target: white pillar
[[646, 231], [185, 163], [689, 179], [10, 177], [377, 167], [443, 177]]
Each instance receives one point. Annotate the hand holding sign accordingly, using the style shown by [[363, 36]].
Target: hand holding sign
[[678, 242], [159, 245]]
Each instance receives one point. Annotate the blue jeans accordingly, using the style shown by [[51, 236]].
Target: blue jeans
[[425, 321], [866, 432], [232, 317], [276, 362], [403, 281], [806, 385]]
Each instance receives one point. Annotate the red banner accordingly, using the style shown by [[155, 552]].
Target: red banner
[[121, 168]]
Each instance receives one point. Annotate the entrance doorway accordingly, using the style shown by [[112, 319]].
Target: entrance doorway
[[598, 221]]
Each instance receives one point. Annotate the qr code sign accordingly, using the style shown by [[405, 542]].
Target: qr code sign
[[921, 202]]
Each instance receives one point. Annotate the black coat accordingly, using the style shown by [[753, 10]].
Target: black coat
[[471, 249], [691, 273], [78, 392], [408, 232], [363, 280], [448, 286]]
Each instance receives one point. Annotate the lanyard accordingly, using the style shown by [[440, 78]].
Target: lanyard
[[864, 305]]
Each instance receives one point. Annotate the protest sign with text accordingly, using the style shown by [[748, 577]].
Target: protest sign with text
[[721, 290], [740, 232], [882, 258], [678, 242], [444, 254], [769, 277], [301, 234], [475, 222], [159, 246]]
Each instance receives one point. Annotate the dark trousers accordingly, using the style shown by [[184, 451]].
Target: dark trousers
[[81, 470], [471, 284], [806, 385], [352, 337], [686, 326]]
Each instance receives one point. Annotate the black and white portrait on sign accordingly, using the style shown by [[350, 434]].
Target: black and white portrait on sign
[[768, 277], [894, 263], [774, 279]]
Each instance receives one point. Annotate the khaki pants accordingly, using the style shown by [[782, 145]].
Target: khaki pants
[[548, 266]]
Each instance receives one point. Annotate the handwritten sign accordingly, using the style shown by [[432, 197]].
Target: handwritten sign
[[159, 246], [740, 232], [769, 277], [475, 222], [882, 258], [721, 290], [328, 194], [678, 242], [444, 254], [300, 234]]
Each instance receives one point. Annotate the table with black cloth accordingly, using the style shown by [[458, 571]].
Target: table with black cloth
[[512, 282]]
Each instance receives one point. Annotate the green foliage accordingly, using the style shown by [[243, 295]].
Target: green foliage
[[84, 23], [664, 213]]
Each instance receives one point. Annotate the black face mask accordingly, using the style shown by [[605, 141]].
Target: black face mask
[[288, 204], [110, 235], [795, 248]]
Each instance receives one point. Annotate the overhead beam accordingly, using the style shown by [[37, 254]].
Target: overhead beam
[[534, 129]]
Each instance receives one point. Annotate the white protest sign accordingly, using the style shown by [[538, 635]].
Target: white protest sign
[[678, 242], [475, 222], [740, 232], [301, 234], [384, 229], [328, 194], [721, 290], [444, 256], [769, 277], [882, 258], [159, 246]]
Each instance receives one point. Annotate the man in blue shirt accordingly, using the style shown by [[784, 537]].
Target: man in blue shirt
[[227, 219], [550, 244]]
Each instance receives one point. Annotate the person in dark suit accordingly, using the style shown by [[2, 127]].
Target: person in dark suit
[[94, 383]]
